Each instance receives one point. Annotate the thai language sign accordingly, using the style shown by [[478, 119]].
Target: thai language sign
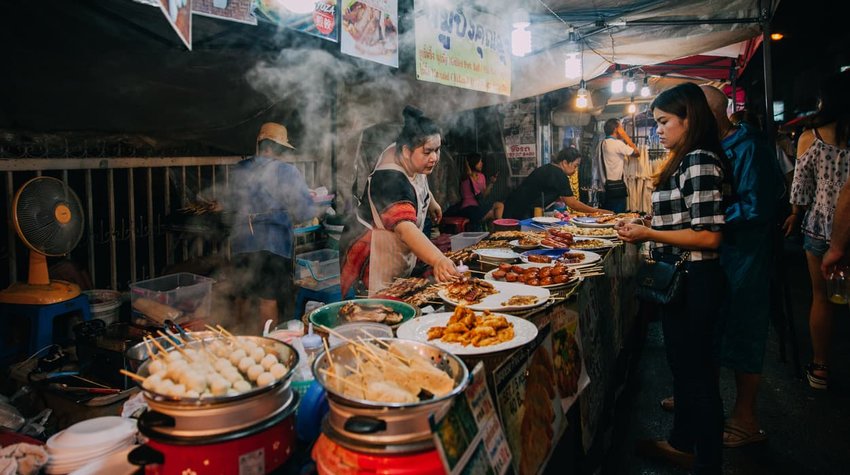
[[463, 47]]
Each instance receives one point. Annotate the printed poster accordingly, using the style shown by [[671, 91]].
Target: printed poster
[[320, 19], [527, 395], [469, 437], [370, 30], [241, 11], [567, 356], [460, 46], [179, 14], [519, 133]]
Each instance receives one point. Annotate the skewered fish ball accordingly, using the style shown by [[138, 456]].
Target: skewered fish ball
[[242, 386], [265, 379], [219, 386], [245, 363], [278, 370], [255, 371], [193, 394], [232, 375], [268, 361], [222, 364], [237, 356], [155, 366], [258, 354]]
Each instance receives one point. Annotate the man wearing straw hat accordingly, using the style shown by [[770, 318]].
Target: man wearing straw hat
[[266, 197]]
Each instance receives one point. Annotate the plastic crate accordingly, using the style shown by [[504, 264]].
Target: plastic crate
[[462, 240], [321, 265], [186, 292]]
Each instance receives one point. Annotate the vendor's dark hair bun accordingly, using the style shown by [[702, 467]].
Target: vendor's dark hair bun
[[416, 129]]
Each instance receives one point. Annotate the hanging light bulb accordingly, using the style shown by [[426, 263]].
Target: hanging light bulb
[[617, 80], [632, 106], [644, 91], [630, 85], [581, 96], [300, 7], [572, 66], [520, 36]]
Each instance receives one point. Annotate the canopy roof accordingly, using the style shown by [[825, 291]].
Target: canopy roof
[[117, 67]]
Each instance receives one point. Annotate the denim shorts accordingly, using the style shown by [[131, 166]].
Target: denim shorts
[[816, 246]]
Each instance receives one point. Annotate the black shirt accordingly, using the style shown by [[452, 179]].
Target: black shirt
[[550, 181]]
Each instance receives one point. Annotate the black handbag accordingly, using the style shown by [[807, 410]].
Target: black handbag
[[614, 189], [661, 280]]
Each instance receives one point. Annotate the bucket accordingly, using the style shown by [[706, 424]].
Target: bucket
[[105, 304], [506, 224]]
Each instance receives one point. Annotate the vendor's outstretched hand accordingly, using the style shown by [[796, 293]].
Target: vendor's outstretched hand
[[631, 232], [445, 270]]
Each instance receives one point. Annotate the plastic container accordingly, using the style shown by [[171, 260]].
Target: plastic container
[[185, 292], [318, 269], [354, 330], [105, 304], [466, 239]]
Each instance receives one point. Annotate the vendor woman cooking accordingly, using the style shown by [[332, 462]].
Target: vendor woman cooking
[[386, 238]]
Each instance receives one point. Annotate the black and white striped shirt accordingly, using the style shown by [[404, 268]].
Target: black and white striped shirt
[[691, 199]]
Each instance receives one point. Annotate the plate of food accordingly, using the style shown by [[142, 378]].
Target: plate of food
[[386, 311], [550, 276], [604, 232], [499, 254], [546, 220], [589, 222], [467, 332], [569, 257], [480, 294], [591, 244], [526, 243]]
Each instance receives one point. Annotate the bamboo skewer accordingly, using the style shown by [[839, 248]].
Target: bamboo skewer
[[133, 375], [158, 345], [150, 350], [330, 357], [225, 332], [344, 381], [176, 347]]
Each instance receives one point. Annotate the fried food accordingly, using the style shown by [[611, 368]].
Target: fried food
[[469, 291], [477, 329], [520, 300]]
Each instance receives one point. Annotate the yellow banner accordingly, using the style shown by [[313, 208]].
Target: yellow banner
[[463, 47]]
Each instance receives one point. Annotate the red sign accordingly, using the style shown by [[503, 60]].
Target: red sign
[[324, 17]]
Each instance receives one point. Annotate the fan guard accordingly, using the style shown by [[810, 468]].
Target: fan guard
[[48, 216]]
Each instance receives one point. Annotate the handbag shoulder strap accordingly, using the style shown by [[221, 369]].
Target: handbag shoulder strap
[[602, 155]]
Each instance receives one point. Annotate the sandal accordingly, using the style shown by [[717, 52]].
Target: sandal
[[735, 435], [815, 381]]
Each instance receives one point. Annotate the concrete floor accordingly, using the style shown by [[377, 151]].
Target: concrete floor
[[808, 430]]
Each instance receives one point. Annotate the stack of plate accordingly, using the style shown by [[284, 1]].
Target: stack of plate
[[87, 441]]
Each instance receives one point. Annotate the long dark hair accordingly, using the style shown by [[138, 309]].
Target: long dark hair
[[834, 106], [416, 130], [687, 101], [471, 160]]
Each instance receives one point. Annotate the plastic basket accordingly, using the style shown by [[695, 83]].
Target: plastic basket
[[321, 265]]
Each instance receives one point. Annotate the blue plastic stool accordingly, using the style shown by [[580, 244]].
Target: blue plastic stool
[[326, 295], [41, 319]]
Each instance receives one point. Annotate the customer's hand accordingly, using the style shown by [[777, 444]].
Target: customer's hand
[[792, 222], [631, 232], [435, 212], [832, 258], [445, 270]]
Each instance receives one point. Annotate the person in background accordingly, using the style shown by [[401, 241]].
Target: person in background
[[546, 185], [385, 237], [476, 193], [688, 214], [823, 166], [616, 148], [746, 256], [265, 198]]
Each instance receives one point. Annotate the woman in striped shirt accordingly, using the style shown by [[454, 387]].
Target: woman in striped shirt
[[687, 216]]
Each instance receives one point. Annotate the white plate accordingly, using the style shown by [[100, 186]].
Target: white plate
[[515, 243], [504, 291], [606, 244], [590, 258], [575, 278], [585, 222], [497, 254], [546, 220], [91, 432], [114, 464], [417, 329]]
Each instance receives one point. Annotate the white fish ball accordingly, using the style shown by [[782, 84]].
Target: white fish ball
[[151, 382], [231, 392], [178, 390], [255, 371], [237, 356], [193, 394], [245, 363], [248, 345], [269, 361], [278, 371], [174, 355], [232, 375], [155, 366], [222, 364], [242, 386], [258, 354], [265, 379], [219, 386]]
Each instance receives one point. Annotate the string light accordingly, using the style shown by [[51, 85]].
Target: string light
[[521, 36], [581, 96], [630, 85], [644, 91], [617, 80], [632, 107], [572, 63]]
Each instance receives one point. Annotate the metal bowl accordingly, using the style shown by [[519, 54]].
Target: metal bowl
[[286, 354], [441, 359]]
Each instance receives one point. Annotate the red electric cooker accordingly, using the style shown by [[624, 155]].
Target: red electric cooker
[[253, 432], [366, 437]]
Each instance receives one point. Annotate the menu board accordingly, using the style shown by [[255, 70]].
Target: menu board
[[519, 133], [321, 21], [527, 395], [370, 30], [458, 45], [469, 437]]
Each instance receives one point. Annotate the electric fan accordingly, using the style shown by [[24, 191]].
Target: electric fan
[[48, 217]]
